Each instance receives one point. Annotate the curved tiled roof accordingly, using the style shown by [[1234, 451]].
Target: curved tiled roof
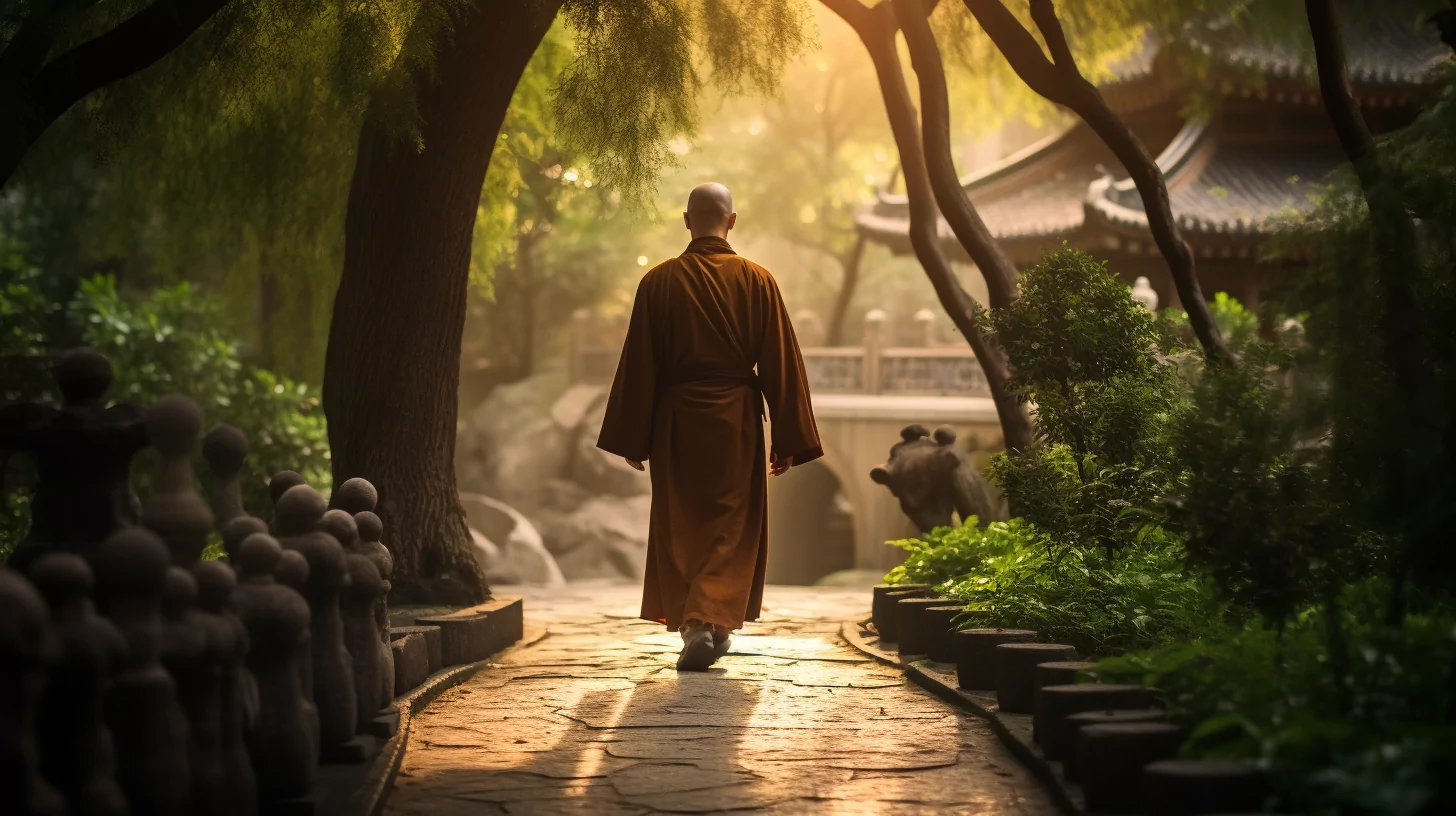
[[1036, 192], [1055, 187], [1223, 189], [1383, 49]]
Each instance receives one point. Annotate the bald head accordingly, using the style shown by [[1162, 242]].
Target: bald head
[[710, 211]]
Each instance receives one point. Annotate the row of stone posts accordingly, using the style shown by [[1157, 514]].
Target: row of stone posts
[[141, 678]]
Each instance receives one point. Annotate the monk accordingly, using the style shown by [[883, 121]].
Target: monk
[[687, 399]]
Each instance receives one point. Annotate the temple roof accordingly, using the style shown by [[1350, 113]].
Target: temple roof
[[1222, 187], [1381, 49]]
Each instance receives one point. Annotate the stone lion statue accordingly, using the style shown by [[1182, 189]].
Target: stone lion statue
[[933, 478]]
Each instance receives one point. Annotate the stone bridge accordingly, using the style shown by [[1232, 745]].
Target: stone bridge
[[828, 515]]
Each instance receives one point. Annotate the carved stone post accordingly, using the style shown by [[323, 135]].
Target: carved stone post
[[874, 344], [925, 328]]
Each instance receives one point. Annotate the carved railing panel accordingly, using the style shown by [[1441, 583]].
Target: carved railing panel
[[835, 370], [944, 372]]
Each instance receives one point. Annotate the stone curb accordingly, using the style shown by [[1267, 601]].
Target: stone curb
[[1014, 730], [374, 792]]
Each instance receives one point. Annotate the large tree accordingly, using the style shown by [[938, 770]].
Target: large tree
[[392, 367], [393, 363]]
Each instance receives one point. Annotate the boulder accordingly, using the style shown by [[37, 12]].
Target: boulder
[[576, 404], [509, 445], [508, 546], [599, 472], [604, 538]]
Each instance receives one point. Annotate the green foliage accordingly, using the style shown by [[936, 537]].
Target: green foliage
[[549, 236], [173, 342], [1142, 598], [1392, 445], [1087, 355], [1008, 577], [1259, 694], [634, 82], [1237, 323], [946, 555], [170, 343], [228, 162], [1254, 503]]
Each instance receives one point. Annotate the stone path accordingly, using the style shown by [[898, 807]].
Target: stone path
[[594, 719]]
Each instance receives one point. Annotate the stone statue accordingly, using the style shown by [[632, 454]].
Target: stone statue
[[82, 454], [933, 478], [296, 521], [225, 448], [284, 742], [28, 648], [76, 751], [227, 643], [142, 710]]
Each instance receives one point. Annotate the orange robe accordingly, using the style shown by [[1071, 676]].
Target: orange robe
[[686, 399]]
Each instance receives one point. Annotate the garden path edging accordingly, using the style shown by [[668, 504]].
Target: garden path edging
[[373, 794], [1014, 730]]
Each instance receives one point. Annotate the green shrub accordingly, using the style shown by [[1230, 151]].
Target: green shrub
[[1008, 574], [1264, 695], [171, 342], [948, 554], [1088, 356]]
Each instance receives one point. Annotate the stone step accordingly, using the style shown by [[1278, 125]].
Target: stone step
[[477, 632]]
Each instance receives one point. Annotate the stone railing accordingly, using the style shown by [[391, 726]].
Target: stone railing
[[871, 368]]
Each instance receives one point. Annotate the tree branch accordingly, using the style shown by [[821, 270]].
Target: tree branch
[[1019, 48], [133, 45], [964, 220], [876, 29], [1044, 14], [1065, 85], [1334, 81]]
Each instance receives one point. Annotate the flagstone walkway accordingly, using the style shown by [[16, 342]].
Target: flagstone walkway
[[594, 719]]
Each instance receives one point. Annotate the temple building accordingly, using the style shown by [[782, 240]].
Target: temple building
[[1264, 150]]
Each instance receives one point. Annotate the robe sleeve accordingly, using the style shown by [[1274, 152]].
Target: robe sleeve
[[627, 429], [785, 385]]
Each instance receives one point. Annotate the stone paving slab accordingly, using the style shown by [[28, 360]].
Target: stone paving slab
[[595, 719]]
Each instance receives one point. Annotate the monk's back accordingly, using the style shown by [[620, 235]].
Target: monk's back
[[711, 310]]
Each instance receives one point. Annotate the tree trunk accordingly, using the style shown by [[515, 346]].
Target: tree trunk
[[876, 28], [1059, 80], [393, 367], [1402, 340], [850, 264], [995, 265]]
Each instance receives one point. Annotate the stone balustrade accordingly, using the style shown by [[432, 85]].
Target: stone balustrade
[[874, 367]]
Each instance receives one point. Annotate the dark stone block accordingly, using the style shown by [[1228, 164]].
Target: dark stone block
[[1054, 704], [889, 627], [940, 623], [1111, 758], [1061, 673], [974, 668], [1014, 665], [1073, 726], [359, 748], [478, 632], [882, 609], [433, 649], [911, 625], [1184, 787], [385, 724], [411, 661]]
